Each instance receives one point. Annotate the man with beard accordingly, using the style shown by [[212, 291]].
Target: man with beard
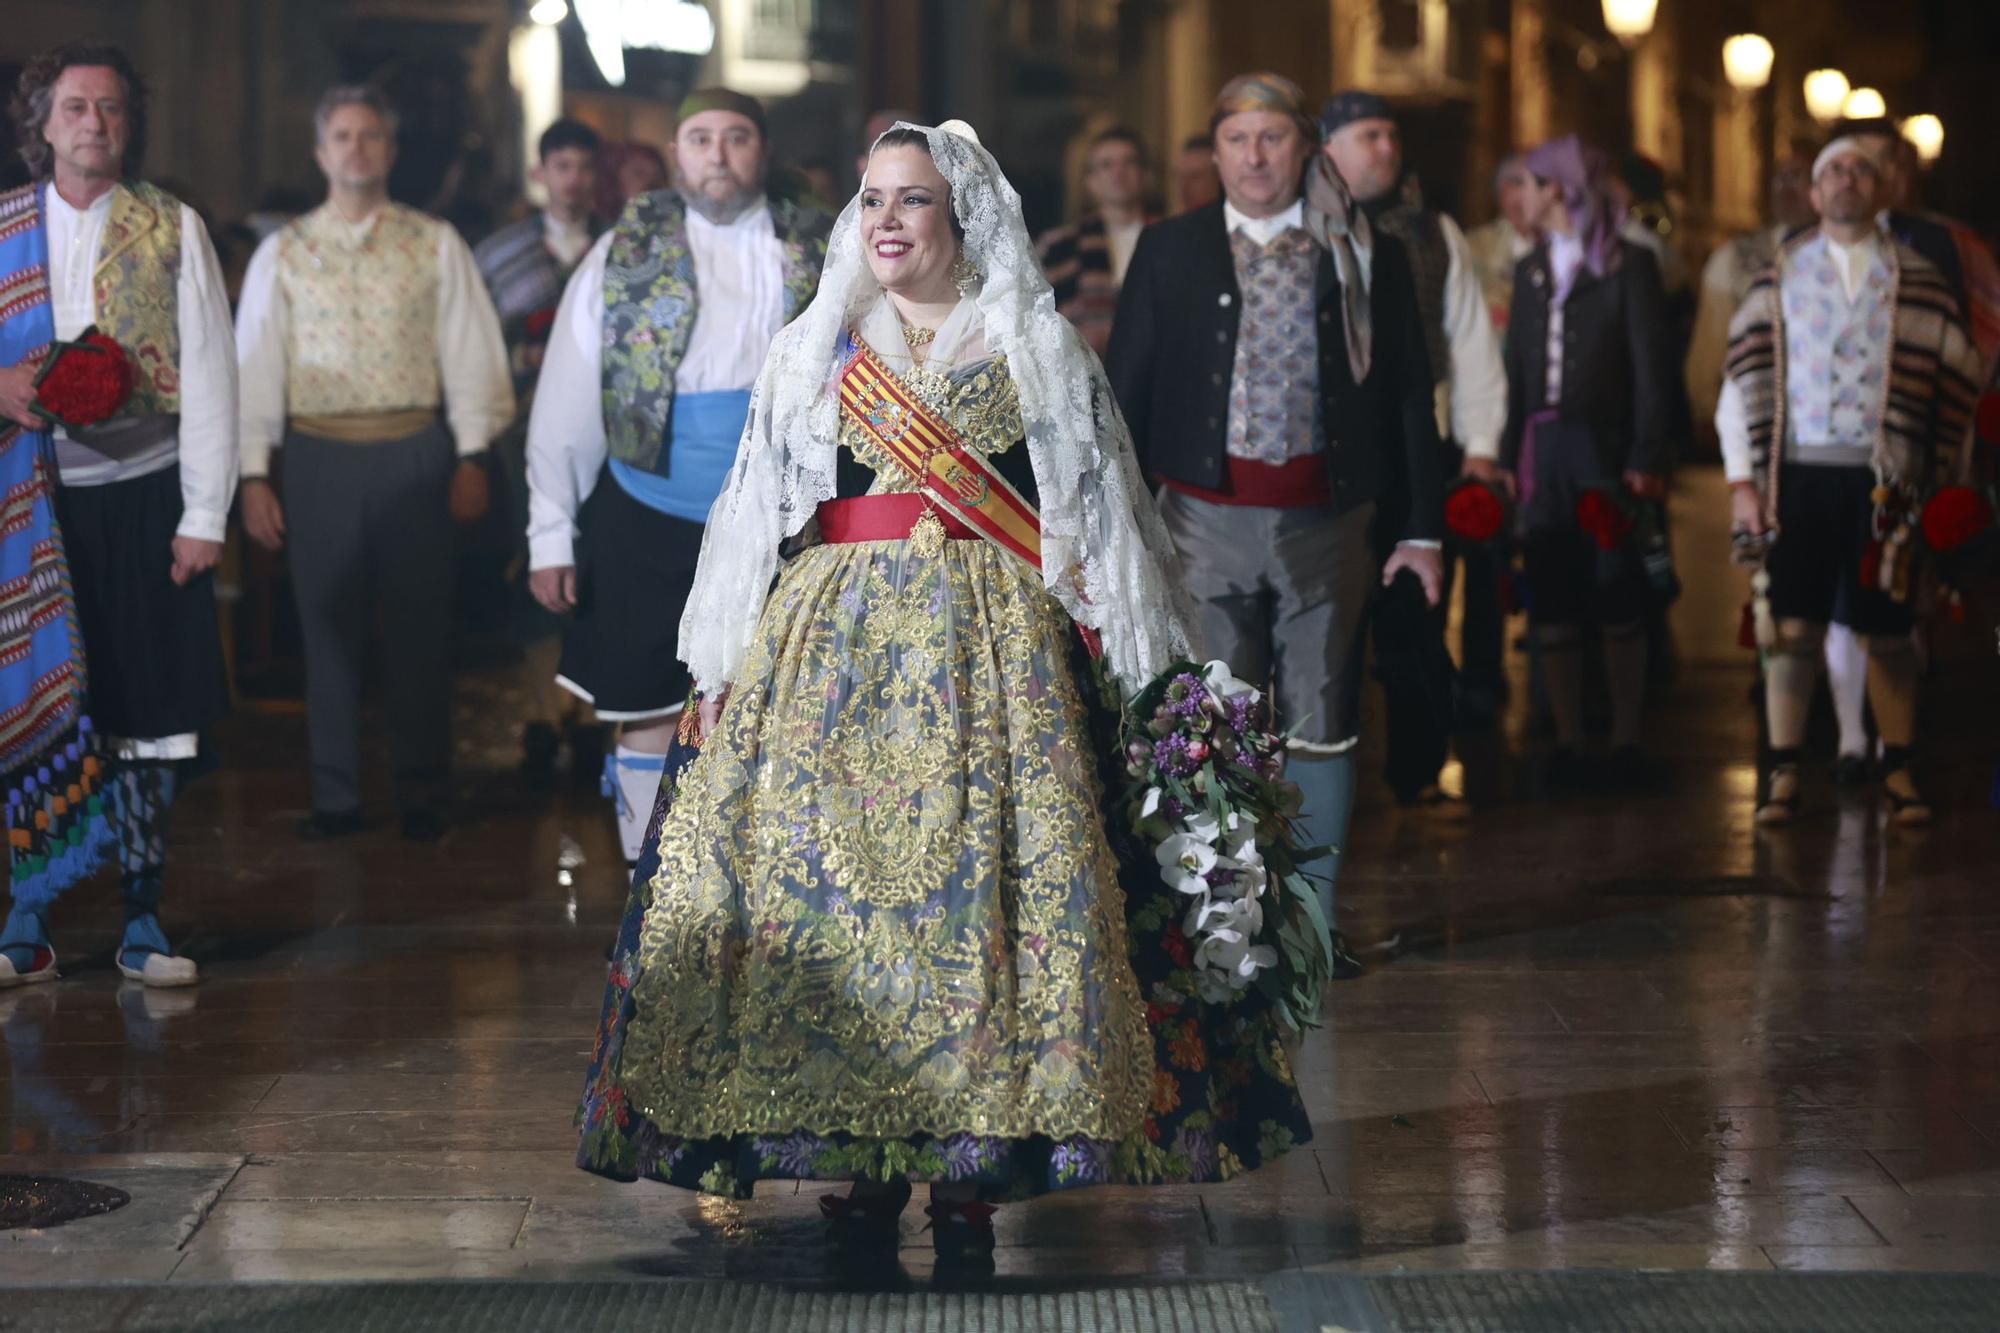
[[644, 393], [358, 322], [1470, 386], [1851, 376]]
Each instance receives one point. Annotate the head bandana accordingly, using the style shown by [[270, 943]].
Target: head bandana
[[1582, 171], [1343, 109], [721, 99], [1846, 143], [1263, 91]]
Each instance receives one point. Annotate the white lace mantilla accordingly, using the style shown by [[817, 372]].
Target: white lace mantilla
[[1106, 556]]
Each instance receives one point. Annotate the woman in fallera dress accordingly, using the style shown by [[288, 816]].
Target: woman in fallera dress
[[884, 932]]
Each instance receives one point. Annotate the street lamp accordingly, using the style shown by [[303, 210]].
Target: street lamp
[[1826, 93], [1864, 104], [1746, 61], [1630, 20], [1926, 134]]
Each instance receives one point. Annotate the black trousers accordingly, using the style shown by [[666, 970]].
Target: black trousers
[[371, 540]]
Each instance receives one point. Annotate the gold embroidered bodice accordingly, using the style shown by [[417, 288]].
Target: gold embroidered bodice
[[978, 399]]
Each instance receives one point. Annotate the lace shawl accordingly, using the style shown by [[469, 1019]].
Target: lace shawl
[[1106, 556]]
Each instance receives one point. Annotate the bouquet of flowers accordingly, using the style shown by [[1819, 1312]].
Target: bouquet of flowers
[[1474, 511], [1603, 513], [1206, 790], [1613, 516], [84, 381]]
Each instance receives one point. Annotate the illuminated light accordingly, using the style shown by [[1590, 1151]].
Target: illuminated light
[[1826, 93], [1926, 133], [548, 13], [1864, 104], [613, 27], [1746, 61], [1630, 20]]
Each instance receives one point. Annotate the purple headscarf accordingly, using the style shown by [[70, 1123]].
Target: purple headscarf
[[1594, 214]]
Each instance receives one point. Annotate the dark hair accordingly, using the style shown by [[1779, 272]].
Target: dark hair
[[34, 101], [1119, 134], [901, 138], [567, 133], [1205, 142]]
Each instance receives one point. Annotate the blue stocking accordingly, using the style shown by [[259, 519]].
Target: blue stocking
[[145, 794], [1327, 783]]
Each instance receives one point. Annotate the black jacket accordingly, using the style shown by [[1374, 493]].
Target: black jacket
[[1173, 354], [1617, 371]]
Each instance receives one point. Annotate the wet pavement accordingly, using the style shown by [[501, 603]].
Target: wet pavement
[[1607, 1031]]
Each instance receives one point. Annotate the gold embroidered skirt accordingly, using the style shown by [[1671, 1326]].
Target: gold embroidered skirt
[[886, 905]]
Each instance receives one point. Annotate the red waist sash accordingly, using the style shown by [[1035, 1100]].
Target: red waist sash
[[1297, 483], [883, 518]]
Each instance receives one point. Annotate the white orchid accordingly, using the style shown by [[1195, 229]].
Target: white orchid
[[1228, 957], [1185, 862], [1225, 916], [1151, 805], [1203, 825], [1223, 683]]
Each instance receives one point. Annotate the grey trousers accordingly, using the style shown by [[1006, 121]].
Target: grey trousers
[[370, 533], [1279, 595]]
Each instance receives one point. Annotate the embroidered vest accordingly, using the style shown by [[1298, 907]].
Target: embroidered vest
[[135, 286], [1836, 351], [649, 310], [362, 333], [1430, 263], [1274, 399], [137, 291]]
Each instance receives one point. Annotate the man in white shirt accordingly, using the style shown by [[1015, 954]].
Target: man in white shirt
[[145, 495], [1497, 247], [1364, 144], [357, 323], [1851, 377], [641, 404]]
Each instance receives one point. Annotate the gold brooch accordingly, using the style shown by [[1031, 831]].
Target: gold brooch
[[927, 536], [918, 337]]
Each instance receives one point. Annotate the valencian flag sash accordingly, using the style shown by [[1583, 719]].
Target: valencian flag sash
[[933, 453], [59, 828]]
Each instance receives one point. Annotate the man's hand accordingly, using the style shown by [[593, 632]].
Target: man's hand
[[17, 395], [1646, 485], [263, 516], [469, 492], [554, 587], [1426, 562], [1489, 472], [193, 556], [1746, 509], [708, 714]]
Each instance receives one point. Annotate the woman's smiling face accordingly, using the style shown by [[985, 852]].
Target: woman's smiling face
[[906, 224]]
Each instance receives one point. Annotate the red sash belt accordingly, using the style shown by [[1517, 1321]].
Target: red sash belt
[[1297, 483], [883, 518]]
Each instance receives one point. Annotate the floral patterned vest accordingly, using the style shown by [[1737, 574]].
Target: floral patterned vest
[[137, 292], [649, 310], [362, 317]]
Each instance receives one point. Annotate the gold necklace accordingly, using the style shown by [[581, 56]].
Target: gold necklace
[[917, 336]]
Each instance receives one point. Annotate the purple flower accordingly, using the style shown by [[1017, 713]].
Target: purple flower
[[1239, 714], [1172, 755], [794, 1154], [1186, 696], [963, 1154], [1199, 1150], [1082, 1159]]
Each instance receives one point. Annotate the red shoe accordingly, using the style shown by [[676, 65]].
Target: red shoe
[[962, 1230], [867, 1214]]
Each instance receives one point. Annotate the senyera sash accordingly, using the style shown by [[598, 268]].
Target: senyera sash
[[959, 494], [955, 480]]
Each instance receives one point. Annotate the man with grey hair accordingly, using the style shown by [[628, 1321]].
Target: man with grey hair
[[358, 324], [643, 397]]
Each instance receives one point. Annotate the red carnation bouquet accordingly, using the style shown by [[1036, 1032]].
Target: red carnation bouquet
[[1954, 517], [1602, 512], [1475, 511], [84, 381]]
